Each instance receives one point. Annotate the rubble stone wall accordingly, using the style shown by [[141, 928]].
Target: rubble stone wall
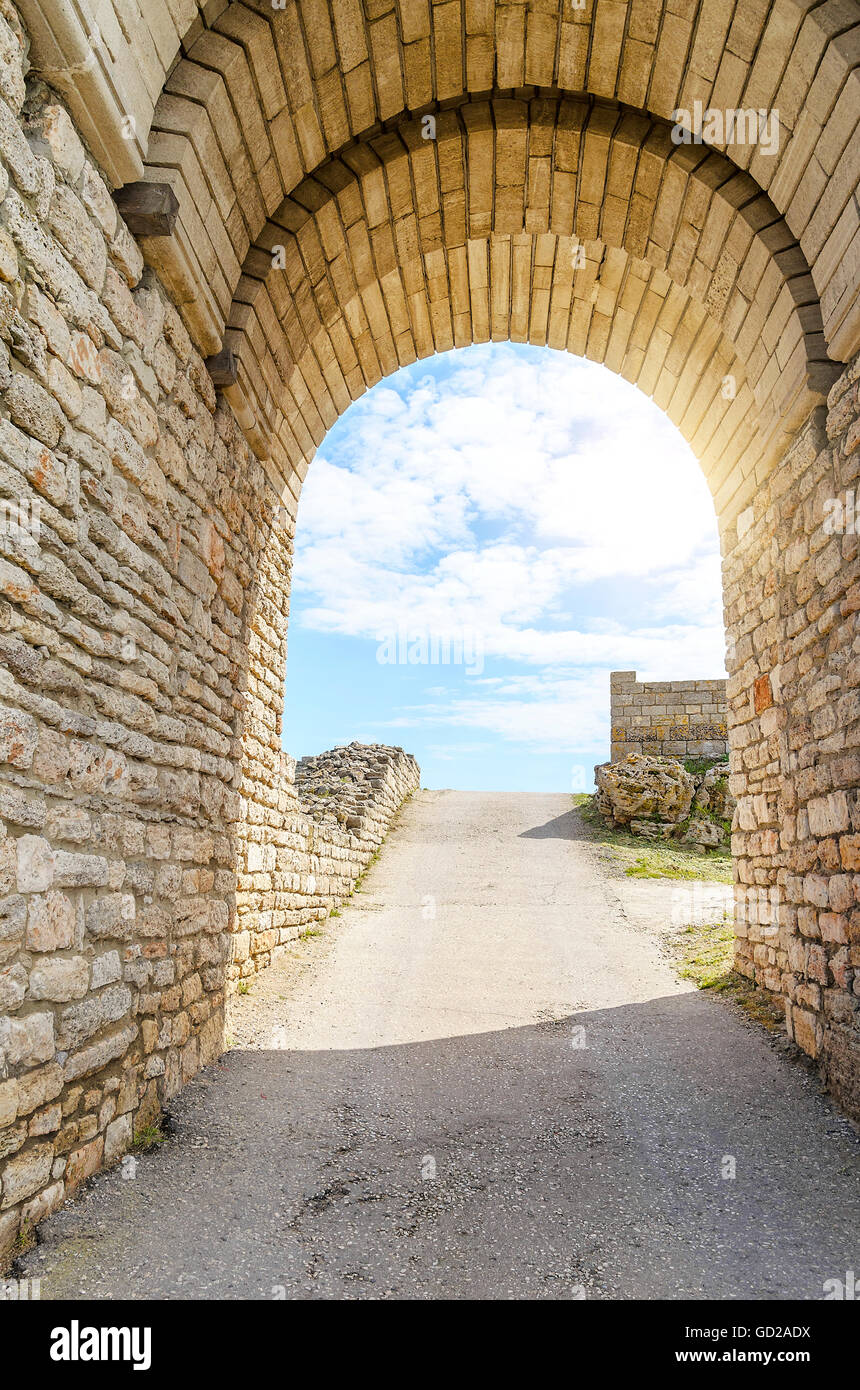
[[359, 786], [792, 595], [333, 813], [153, 848], [676, 719]]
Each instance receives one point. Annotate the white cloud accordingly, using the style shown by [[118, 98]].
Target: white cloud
[[546, 439], [565, 709]]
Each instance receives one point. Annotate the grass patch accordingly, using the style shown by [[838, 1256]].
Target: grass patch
[[661, 862], [309, 931], [243, 987], [697, 767], [639, 858], [148, 1137], [704, 954], [26, 1238]]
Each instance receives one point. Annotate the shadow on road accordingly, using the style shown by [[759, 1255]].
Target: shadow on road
[[660, 1149], [570, 826]]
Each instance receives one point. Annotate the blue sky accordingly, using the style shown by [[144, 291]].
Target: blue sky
[[527, 515]]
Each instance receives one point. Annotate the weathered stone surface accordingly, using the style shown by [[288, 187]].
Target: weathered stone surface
[[83, 242], [46, 1202], [13, 987], [39, 1086], [26, 1173], [111, 915], [118, 1138], [659, 799], [704, 832], [105, 969], [53, 135], [682, 719], [652, 829], [80, 1021], [18, 736], [83, 1162], [50, 921], [97, 1055], [60, 979], [27, 1039], [640, 788], [355, 784], [8, 1102], [33, 409], [713, 794], [35, 864], [80, 870]]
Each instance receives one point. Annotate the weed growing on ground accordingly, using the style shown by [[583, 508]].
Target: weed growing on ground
[[705, 955], [148, 1137], [640, 858]]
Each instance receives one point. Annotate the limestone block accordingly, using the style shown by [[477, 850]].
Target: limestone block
[[645, 787], [28, 1039]]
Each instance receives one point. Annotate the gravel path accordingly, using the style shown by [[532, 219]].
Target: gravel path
[[482, 1081]]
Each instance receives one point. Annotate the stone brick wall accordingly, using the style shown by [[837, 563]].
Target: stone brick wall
[[680, 719], [792, 593], [235, 104], [124, 603], [329, 823], [153, 848]]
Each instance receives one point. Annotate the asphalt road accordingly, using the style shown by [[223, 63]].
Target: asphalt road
[[482, 1081]]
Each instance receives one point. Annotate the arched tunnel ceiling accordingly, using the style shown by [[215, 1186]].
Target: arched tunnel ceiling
[[551, 222], [289, 87], [304, 122]]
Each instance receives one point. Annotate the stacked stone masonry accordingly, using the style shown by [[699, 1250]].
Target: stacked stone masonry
[[359, 786], [392, 252], [676, 719], [792, 596], [306, 862], [299, 127], [154, 848]]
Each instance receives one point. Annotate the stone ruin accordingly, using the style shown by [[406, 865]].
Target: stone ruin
[[661, 799], [677, 719], [360, 786]]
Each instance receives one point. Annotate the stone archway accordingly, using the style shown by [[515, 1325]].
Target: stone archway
[[154, 843], [278, 89]]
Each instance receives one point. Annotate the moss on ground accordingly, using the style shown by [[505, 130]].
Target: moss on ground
[[704, 954], [639, 858]]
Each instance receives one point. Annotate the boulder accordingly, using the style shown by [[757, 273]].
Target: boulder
[[657, 798], [706, 833], [652, 829], [643, 788]]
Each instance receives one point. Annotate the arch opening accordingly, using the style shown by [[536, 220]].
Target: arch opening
[[480, 541]]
